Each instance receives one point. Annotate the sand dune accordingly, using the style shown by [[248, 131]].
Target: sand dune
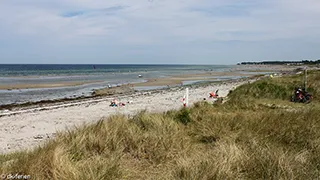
[[29, 128]]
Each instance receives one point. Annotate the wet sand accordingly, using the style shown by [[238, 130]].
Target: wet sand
[[46, 85], [178, 79], [172, 80]]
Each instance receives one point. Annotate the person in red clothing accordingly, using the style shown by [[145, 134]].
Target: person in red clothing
[[214, 95]]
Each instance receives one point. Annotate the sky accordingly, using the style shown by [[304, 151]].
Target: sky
[[158, 31]]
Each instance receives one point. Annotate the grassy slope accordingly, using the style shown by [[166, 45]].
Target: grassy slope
[[243, 138]]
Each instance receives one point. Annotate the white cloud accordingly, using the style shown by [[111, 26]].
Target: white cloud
[[159, 22], [152, 21]]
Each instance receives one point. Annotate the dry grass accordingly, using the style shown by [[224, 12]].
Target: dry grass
[[236, 140]]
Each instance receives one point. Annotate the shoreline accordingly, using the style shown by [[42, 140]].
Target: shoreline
[[129, 89], [69, 91], [156, 84], [45, 85], [239, 70], [23, 129], [124, 90], [171, 81]]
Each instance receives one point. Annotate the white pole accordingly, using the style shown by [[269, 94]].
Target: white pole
[[305, 80], [187, 96]]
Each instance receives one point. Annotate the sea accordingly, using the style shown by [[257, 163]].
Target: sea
[[99, 75]]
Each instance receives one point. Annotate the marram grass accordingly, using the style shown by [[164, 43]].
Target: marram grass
[[236, 140]]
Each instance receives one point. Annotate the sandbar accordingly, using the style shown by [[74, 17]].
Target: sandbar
[[45, 85]]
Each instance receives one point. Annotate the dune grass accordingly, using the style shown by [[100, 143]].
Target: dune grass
[[240, 139]]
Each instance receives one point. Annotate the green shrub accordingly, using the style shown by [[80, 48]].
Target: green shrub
[[183, 116]]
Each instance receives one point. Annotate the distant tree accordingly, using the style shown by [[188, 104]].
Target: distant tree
[[283, 62]]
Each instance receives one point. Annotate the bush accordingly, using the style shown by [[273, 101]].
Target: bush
[[183, 116]]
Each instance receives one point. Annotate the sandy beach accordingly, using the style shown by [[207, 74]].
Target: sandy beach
[[28, 128]]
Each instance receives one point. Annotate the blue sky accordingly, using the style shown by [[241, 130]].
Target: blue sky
[[158, 31]]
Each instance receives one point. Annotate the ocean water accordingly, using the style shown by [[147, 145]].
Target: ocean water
[[102, 75]]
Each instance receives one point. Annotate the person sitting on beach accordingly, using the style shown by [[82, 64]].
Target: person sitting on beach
[[114, 103]]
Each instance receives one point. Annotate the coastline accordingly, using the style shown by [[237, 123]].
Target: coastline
[[101, 94], [25, 127], [170, 80], [167, 83], [48, 93]]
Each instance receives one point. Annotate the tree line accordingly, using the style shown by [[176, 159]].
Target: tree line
[[310, 62]]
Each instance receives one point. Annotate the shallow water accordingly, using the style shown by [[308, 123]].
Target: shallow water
[[107, 74]]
